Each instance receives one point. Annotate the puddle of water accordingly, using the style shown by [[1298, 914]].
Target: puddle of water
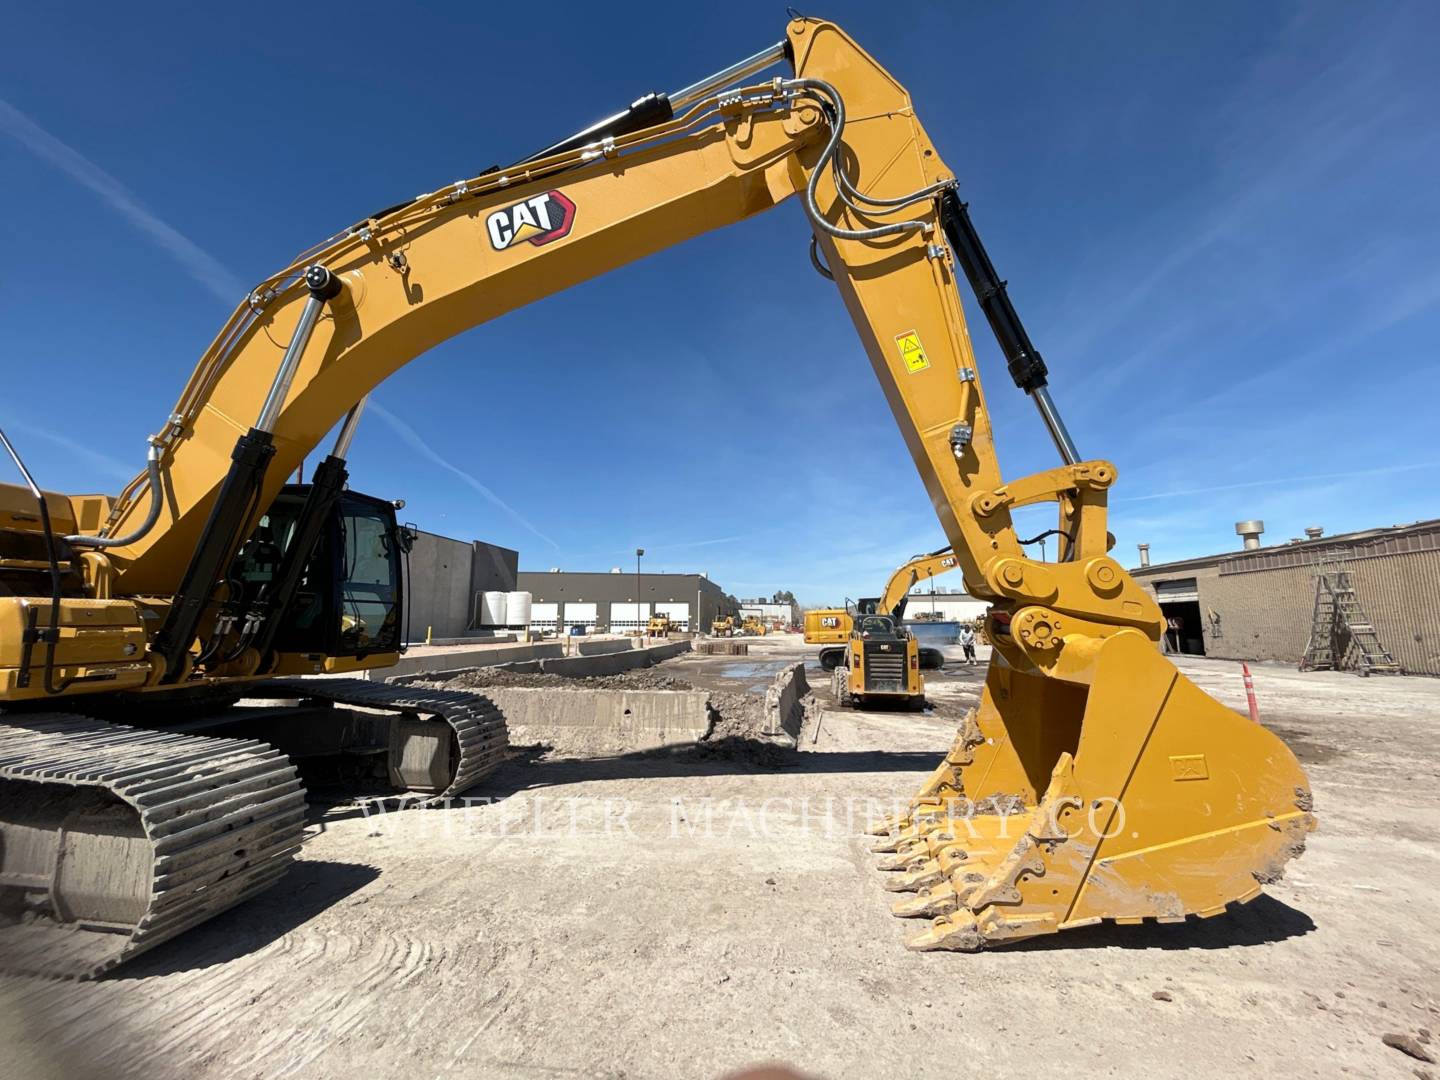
[[757, 673], [750, 669]]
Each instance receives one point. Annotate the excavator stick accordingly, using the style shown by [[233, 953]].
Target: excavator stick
[[1059, 805]]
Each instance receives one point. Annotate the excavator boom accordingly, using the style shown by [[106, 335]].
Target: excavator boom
[[1134, 795]]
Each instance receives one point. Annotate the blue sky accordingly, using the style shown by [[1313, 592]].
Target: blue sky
[[1218, 221]]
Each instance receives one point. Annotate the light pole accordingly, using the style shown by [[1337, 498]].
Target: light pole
[[638, 552]]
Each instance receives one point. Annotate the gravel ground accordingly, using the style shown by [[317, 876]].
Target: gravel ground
[[671, 916]]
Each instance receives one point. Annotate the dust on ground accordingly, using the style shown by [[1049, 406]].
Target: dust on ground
[[623, 917]]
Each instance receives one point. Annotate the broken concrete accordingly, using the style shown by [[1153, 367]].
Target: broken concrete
[[641, 710], [786, 703]]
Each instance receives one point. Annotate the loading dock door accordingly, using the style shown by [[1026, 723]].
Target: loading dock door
[[679, 614], [545, 616], [1177, 591], [580, 615], [623, 619]]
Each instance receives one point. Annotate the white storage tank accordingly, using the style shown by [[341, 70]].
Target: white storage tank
[[517, 609], [492, 609]]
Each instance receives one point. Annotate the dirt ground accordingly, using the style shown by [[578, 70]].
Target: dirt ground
[[588, 921]]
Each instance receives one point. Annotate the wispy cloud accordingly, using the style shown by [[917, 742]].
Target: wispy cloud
[[200, 264], [104, 463], [1278, 480], [424, 449], [1319, 122]]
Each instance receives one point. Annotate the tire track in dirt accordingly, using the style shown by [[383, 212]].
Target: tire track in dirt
[[285, 1005]]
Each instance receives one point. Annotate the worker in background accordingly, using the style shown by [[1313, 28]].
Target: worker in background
[[967, 642]]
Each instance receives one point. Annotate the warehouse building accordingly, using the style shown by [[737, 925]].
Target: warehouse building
[[938, 605], [446, 579], [608, 602], [783, 614], [1258, 603]]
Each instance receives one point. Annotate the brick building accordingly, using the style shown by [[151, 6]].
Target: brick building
[[1256, 604]]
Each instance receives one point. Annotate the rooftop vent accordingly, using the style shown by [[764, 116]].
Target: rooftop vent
[[1250, 531], [1144, 554], [1314, 532], [616, 570]]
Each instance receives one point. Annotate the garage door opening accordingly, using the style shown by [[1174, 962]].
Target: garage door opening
[[1180, 604], [1182, 627]]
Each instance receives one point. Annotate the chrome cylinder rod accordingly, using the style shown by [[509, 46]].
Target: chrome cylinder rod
[[1056, 426], [323, 286], [723, 78], [347, 429]]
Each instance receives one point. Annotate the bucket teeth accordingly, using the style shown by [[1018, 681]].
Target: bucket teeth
[[937, 900], [959, 932], [918, 834], [888, 826], [929, 873], [893, 862], [913, 822], [902, 861], [1160, 803], [905, 848]]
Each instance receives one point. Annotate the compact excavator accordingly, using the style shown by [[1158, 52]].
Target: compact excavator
[[832, 627], [151, 643]]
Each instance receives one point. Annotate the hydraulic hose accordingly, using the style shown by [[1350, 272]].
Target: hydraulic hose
[[152, 465], [815, 261], [830, 99]]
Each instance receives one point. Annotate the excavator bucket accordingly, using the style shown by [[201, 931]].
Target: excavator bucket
[[1061, 804]]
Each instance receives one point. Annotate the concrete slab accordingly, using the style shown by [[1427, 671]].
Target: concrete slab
[[420, 661], [598, 648], [587, 721]]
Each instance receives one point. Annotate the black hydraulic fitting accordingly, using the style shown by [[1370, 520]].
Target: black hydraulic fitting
[[323, 285]]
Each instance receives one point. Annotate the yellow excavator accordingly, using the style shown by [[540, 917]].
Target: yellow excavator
[[150, 643], [832, 626]]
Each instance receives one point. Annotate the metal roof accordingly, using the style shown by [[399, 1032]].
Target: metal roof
[[1364, 544]]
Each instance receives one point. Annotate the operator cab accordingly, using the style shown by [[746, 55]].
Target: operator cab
[[878, 626], [351, 599]]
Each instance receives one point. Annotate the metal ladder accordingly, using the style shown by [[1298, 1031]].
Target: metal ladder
[[1342, 637]]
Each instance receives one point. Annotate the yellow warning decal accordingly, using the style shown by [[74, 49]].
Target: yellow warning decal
[[912, 352]]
